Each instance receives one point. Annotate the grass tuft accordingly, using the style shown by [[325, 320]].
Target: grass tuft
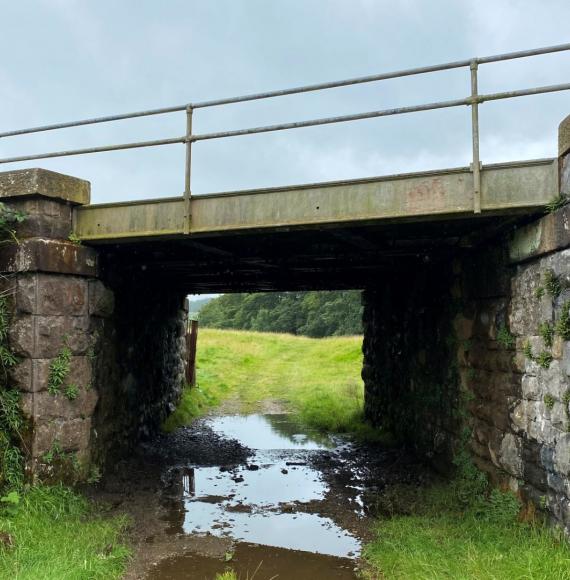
[[556, 203], [505, 338], [227, 575], [552, 283]]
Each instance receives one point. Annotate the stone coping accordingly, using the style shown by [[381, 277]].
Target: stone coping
[[33, 182]]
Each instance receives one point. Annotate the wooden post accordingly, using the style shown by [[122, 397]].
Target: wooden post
[[191, 342]]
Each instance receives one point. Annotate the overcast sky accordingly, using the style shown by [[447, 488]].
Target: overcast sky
[[70, 59]]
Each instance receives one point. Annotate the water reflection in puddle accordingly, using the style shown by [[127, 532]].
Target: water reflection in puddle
[[269, 432], [258, 503]]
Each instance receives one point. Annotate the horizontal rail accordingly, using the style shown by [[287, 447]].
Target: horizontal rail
[[330, 120], [385, 112], [299, 124], [94, 121], [384, 76], [292, 91], [102, 149]]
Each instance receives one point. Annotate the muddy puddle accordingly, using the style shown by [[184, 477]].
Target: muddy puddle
[[255, 494], [259, 505]]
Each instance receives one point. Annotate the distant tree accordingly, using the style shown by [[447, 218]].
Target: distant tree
[[315, 314]]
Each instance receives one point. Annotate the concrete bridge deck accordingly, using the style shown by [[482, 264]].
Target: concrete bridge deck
[[507, 189]]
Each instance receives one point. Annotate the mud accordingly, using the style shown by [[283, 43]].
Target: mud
[[252, 493]]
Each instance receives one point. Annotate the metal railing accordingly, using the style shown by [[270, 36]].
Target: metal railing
[[473, 100]]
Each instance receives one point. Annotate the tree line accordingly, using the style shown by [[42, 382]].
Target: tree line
[[314, 314]]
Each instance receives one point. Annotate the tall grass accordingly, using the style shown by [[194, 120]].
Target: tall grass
[[318, 380], [54, 534]]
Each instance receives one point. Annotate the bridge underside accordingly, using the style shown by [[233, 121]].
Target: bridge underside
[[317, 236], [315, 259]]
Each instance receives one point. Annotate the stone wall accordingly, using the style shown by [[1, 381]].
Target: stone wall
[[139, 366], [120, 344], [408, 347]]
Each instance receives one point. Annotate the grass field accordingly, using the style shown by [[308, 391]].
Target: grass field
[[318, 380], [54, 534]]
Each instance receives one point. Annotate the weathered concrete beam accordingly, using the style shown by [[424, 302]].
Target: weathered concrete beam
[[552, 232], [506, 188]]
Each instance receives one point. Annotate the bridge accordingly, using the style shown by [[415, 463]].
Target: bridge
[[461, 269]]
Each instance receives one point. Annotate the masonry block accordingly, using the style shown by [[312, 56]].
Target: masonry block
[[101, 299], [80, 373], [70, 435]]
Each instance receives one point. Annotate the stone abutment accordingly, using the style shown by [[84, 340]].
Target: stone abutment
[[474, 351], [100, 358]]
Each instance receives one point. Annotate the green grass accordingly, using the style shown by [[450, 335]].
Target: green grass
[[56, 535], [228, 575], [317, 379], [439, 537]]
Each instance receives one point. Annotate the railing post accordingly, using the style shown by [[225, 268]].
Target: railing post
[[188, 171], [476, 163]]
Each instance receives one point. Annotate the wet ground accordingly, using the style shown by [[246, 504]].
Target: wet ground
[[256, 494]]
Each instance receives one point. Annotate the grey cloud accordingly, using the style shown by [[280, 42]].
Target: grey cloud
[[66, 59]]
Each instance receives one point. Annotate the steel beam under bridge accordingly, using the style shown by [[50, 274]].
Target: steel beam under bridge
[[508, 189]]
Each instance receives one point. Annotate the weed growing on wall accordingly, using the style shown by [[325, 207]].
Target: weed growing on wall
[[546, 331], [566, 403], [74, 239], [71, 391], [505, 338], [544, 359], [9, 218], [11, 420], [59, 370], [527, 350], [552, 283], [555, 204], [563, 324], [549, 401]]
